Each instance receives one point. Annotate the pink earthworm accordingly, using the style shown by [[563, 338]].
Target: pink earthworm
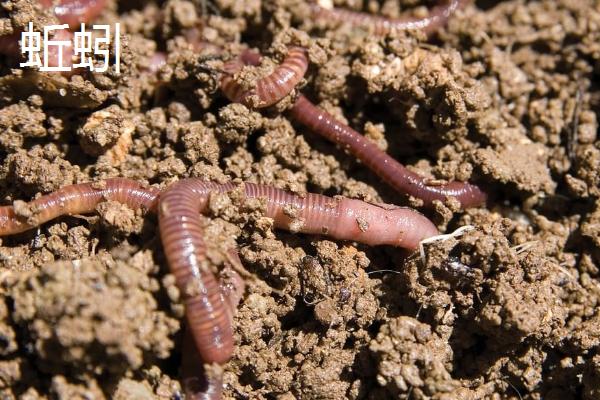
[[381, 26], [386, 167], [74, 12], [270, 89], [339, 218], [207, 308], [76, 199]]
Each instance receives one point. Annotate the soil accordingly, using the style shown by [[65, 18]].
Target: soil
[[506, 96]]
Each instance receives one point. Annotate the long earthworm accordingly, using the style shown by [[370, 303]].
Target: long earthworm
[[382, 164], [270, 89], [181, 234], [386, 167], [339, 218], [381, 26]]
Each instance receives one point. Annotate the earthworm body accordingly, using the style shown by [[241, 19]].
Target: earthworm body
[[209, 302], [282, 81], [270, 89], [384, 166], [200, 384], [207, 309]]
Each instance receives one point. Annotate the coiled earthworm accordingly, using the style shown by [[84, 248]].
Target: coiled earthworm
[[386, 167], [270, 89], [381, 26], [74, 12], [76, 199]]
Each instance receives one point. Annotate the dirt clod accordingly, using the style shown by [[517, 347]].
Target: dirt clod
[[506, 96]]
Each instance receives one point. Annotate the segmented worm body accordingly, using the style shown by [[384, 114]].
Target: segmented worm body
[[339, 218], [381, 26], [182, 239], [386, 167], [197, 383], [270, 89], [76, 199], [207, 310]]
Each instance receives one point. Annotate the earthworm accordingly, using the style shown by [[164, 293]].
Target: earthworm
[[76, 199], [207, 308], [381, 26], [339, 218], [270, 89], [74, 12], [386, 167]]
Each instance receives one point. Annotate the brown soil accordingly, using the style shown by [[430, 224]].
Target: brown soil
[[507, 96]]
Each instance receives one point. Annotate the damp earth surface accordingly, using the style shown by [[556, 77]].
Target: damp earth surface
[[507, 96]]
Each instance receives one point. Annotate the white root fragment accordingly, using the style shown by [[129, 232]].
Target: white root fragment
[[440, 238]]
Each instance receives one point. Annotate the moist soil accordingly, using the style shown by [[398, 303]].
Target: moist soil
[[506, 96]]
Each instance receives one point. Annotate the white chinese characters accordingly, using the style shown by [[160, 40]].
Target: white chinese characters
[[63, 51]]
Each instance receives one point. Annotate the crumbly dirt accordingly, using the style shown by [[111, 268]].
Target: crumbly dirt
[[505, 96]]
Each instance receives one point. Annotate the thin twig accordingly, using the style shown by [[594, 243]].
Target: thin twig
[[572, 131]]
